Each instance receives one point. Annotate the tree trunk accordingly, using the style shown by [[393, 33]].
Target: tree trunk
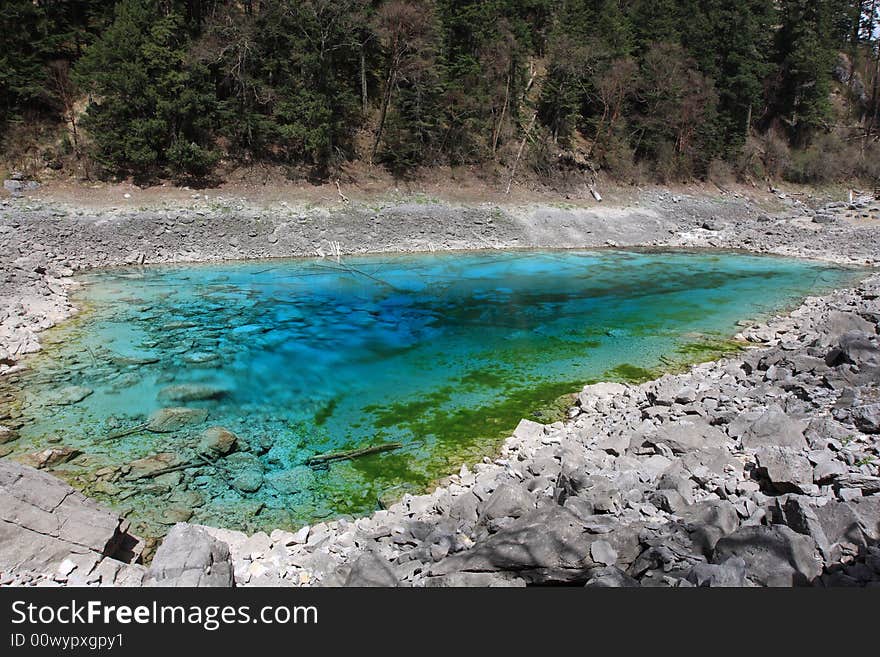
[[386, 99], [497, 132], [519, 153], [363, 80]]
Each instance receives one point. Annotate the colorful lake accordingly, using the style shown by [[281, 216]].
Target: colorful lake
[[442, 353]]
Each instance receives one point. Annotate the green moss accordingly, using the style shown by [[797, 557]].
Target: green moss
[[628, 373]]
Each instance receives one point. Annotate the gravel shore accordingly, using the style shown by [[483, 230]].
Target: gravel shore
[[755, 470]]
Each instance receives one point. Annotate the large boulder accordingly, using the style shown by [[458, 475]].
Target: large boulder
[[371, 570], [730, 574], [43, 521], [687, 435], [548, 545], [507, 500], [189, 556], [769, 428], [708, 522], [867, 417], [854, 347], [785, 469], [774, 556], [838, 323]]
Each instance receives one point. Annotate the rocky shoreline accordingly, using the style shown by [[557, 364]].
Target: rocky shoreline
[[755, 470]]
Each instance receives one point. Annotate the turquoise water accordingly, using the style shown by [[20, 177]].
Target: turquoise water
[[442, 353]]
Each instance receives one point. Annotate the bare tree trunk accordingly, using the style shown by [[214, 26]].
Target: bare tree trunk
[[749, 121], [519, 153], [497, 132], [386, 99], [364, 80]]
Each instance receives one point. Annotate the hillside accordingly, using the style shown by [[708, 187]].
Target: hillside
[[555, 94]]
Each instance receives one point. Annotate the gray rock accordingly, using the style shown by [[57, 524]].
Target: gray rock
[[839, 323], [687, 435], [43, 521], [371, 570], [770, 428], [70, 395], [786, 469], [708, 522], [730, 574], [189, 556], [610, 578], [507, 500], [774, 556], [248, 472], [549, 545], [603, 553], [867, 417], [480, 580], [854, 347]]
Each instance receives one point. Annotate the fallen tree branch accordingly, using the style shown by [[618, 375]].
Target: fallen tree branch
[[170, 468], [127, 432], [329, 457]]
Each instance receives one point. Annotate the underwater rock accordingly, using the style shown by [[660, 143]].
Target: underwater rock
[[200, 357], [247, 470], [217, 441], [166, 420], [51, 457], [174, 514], [290, 482], [70, 395], [150, 464], [7, 435], [190, 392]]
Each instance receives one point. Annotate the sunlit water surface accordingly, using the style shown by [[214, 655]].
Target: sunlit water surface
[[442, 353]]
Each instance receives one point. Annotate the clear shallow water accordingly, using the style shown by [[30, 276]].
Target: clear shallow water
[[443, 353]]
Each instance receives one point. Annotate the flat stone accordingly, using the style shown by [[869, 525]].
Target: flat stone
[[687, 435], [43, 521], [48, 458], [770, 428], [70, 395], [168, 420]]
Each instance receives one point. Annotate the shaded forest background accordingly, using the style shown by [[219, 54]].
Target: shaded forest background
[[640, 90]]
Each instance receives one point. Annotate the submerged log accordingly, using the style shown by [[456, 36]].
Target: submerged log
[[170, 468], [127, 432], [329, 457]]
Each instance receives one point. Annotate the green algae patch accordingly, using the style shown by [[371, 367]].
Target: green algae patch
[[628, 373]]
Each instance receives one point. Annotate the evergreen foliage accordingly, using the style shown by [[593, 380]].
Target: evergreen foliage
[[173, 86]]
